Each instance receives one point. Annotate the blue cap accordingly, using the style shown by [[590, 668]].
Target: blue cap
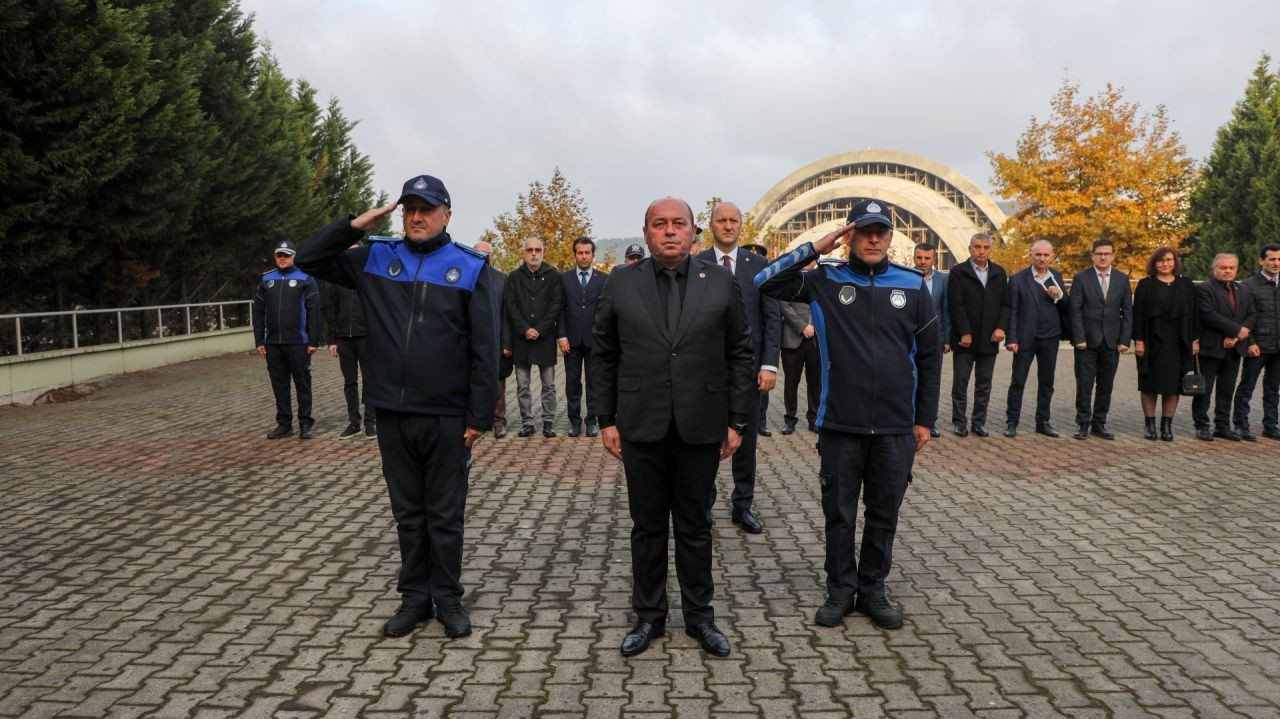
[[428, 188], [285, 247], [870, 212]]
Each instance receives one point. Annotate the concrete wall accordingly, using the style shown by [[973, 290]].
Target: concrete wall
[[23, 379]]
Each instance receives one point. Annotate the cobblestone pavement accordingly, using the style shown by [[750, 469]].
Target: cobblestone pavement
[[159, 557]]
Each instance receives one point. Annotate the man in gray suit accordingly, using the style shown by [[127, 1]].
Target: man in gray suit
[[1100, 309], [925, 259], [800, 355]]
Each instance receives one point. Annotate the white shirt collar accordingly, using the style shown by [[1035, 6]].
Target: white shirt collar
[[732, 255]]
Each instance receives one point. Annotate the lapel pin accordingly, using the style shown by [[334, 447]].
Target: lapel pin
[[702, 275]]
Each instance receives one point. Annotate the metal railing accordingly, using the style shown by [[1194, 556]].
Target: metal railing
[[31, 332]]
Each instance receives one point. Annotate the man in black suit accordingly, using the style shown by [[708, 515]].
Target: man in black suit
[[1100, 314], [1227, 316], [1038, 308], [582, 286], [765, 319], [1265, 288], [672, 368], [925, 259], [978, 297]]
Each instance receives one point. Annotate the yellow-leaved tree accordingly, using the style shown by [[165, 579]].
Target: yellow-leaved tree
[[553, 212], [1097, 167]]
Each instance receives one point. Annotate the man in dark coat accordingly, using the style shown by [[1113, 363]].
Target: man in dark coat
[[1038, 308], [533, 297], [978, 298], [344, 326], [1227, 316], [1100, 315], [1265, 288], [499, 279], [582, 287], [672, 368]]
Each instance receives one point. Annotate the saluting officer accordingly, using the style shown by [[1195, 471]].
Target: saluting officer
[[286, 328], [881, 366], [432, 376]]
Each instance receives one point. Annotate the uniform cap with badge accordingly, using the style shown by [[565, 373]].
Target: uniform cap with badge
[[869, 212], [428, 188], [285, 247], [634, 251]]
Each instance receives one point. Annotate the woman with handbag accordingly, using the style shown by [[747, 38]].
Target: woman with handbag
[[1166, 334]]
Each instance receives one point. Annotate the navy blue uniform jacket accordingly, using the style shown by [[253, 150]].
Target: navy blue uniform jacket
[[431, 320], [881, 353], [286, 309]]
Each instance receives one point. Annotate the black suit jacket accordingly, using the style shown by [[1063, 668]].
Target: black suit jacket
[[1099, 323], [1024, 303], [975, 309], [1218, 320], [578, 310], [642, 377], [764, 314]]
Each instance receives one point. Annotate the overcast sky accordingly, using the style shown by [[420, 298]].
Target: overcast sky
[[637, 100]]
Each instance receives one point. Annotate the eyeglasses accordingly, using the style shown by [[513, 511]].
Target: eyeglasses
[[534, 250]]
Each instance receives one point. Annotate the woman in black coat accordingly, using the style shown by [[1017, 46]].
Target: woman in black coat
[[1166, 334]]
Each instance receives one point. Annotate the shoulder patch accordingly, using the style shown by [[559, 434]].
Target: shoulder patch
[[472, 251], [908, 269]]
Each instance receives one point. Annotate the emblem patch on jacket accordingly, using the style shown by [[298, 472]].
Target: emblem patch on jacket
[[395, 268], [848, 294], [898, 299], [271, 283], [293, 283], [452, 275]]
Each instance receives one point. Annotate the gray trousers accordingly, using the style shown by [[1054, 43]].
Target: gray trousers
[[547, 375]]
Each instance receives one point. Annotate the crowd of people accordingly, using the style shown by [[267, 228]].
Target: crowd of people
[[670, 359]]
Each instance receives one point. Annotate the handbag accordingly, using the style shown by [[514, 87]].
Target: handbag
[[1193, 385]]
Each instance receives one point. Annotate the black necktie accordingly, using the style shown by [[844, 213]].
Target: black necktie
[[582, 279], [673, 302]]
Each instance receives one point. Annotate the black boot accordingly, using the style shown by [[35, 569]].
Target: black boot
[[1166, 429], [1150, 431]]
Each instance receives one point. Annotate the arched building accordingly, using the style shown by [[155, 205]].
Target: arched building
[[929, 202]]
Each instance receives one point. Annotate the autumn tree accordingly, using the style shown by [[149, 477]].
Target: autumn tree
[[1236, 204], [1097, 167], [753, 232], [553, 212]]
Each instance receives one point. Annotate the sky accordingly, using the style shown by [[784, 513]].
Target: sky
[[639, 100]]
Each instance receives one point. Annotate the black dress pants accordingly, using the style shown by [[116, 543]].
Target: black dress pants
[[878, 467], [574, 362], [1220, 380], [804, 359], [962, 365], [287, 363], [1044, 352], [351, 361], [1253, 368], [670, 478], [1094, 366], [425, 462]]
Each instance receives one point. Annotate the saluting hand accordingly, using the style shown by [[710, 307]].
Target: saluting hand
[[371, 218], [730, 444], [833, 240]]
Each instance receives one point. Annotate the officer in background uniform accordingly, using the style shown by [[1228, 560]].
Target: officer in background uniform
[[432, 378], [286, 328], [634, 254], [882, 364], [344, 325]]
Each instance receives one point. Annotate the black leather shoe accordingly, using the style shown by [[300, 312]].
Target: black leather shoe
[[1246, 435], [765, 431], [1226, 434], [547, 431], [575, 430], [712, 641], [960, 430], [1047, 430], [639, 638], [750, 524], [933, 432], [813, 427], [281, 430], [525, 432], [1272, 433], [788, 428], [834, 610], [593, 429], [304, 432], [882, 613], [370, 430], [406, 619], [455, 621], [1099, 429], [1166, 429], [980, 429], [500, 431], [1203, 434], [1082, 431], [352, 430], [1149, 428], [1011, 429]]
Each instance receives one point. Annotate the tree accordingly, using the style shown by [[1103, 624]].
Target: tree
[[753, 233], [1236, 204], [1096, 168], [554, 213]]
